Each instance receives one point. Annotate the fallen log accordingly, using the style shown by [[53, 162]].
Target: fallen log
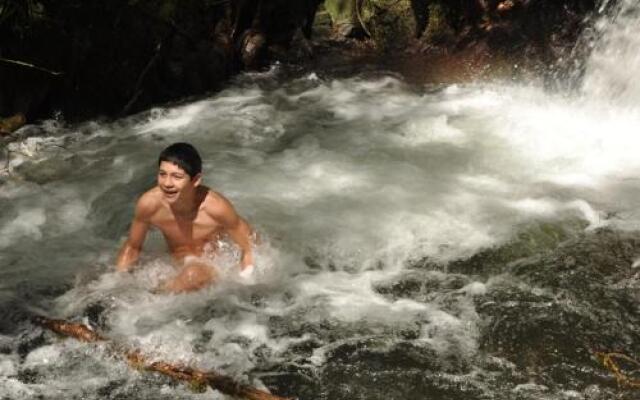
[[137, 359]]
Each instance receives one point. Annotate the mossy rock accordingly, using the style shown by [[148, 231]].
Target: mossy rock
[[390, 23]]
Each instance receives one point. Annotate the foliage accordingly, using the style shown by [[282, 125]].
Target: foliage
[[438, 28], [18, 16], [341, 11]]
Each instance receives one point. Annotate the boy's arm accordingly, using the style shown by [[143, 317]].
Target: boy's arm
[[130, 251], [241, 233], [236, 227]]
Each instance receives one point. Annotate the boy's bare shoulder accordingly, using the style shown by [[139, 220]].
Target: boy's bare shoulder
[[216, 204], [149, 203]]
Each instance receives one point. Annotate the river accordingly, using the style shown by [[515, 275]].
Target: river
[[469, 241]]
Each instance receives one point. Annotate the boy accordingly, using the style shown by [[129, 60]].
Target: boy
[[190, 216]]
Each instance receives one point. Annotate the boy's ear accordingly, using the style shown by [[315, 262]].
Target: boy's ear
[[197, 179]]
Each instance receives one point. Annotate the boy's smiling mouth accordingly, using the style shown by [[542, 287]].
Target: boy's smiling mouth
[[169, 193]]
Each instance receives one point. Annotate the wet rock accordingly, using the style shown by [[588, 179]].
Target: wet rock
[[375, 368], [421, 286], [49, 170], [253, 49], [378, 353], [28, 376], [12, 314], [29, 341], [401, 371], [549, 313], [532, 239], [294, 382]]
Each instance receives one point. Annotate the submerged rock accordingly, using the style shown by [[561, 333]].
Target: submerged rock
[[49, 170], [545, 303]]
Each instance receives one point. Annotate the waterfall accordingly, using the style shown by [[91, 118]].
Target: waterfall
[[611, 73]]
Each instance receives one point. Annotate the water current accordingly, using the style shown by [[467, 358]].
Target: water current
[[471, 241]]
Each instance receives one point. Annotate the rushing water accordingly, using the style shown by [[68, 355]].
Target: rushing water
[[461, 242]]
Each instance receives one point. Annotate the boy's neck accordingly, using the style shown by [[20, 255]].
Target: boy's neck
[[186, 207]]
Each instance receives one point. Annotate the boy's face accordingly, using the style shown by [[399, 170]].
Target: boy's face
[[174, 182]]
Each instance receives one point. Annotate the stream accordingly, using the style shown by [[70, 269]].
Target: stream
[[449, 242]]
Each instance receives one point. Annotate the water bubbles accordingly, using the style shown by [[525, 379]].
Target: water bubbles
[[43, 356]]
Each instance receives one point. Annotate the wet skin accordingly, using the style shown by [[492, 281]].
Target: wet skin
[[190, 216]]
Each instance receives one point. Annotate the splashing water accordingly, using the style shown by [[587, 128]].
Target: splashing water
[[610, 70]]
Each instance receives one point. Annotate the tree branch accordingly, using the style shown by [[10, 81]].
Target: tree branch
[[31, 66], [136, 359]]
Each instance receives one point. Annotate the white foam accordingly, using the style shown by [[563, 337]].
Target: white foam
[[475, 289], [448, 334], [432, 130], [12, 388], [28, 223], [530, 387], [172, 121], [550, 208], [7, 366], [43, 356]]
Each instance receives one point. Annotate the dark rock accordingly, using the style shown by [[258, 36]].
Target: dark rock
[[421, 286], [586, 302], [253, 49]]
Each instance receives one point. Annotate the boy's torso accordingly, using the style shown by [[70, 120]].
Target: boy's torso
[[187, 235]]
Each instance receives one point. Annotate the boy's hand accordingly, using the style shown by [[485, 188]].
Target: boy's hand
[[246, 271]]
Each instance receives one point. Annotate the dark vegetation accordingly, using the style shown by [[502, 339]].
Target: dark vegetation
[[86, 58]]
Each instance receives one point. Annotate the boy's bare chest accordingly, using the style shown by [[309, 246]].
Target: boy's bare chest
[[180, 231]]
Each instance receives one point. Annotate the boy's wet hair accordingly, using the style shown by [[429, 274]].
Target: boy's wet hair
[[184, 156]]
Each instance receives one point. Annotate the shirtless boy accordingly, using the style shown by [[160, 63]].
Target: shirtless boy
[[190, 216]]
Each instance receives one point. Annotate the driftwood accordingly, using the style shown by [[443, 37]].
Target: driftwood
[[613, 361], [138, 360]]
